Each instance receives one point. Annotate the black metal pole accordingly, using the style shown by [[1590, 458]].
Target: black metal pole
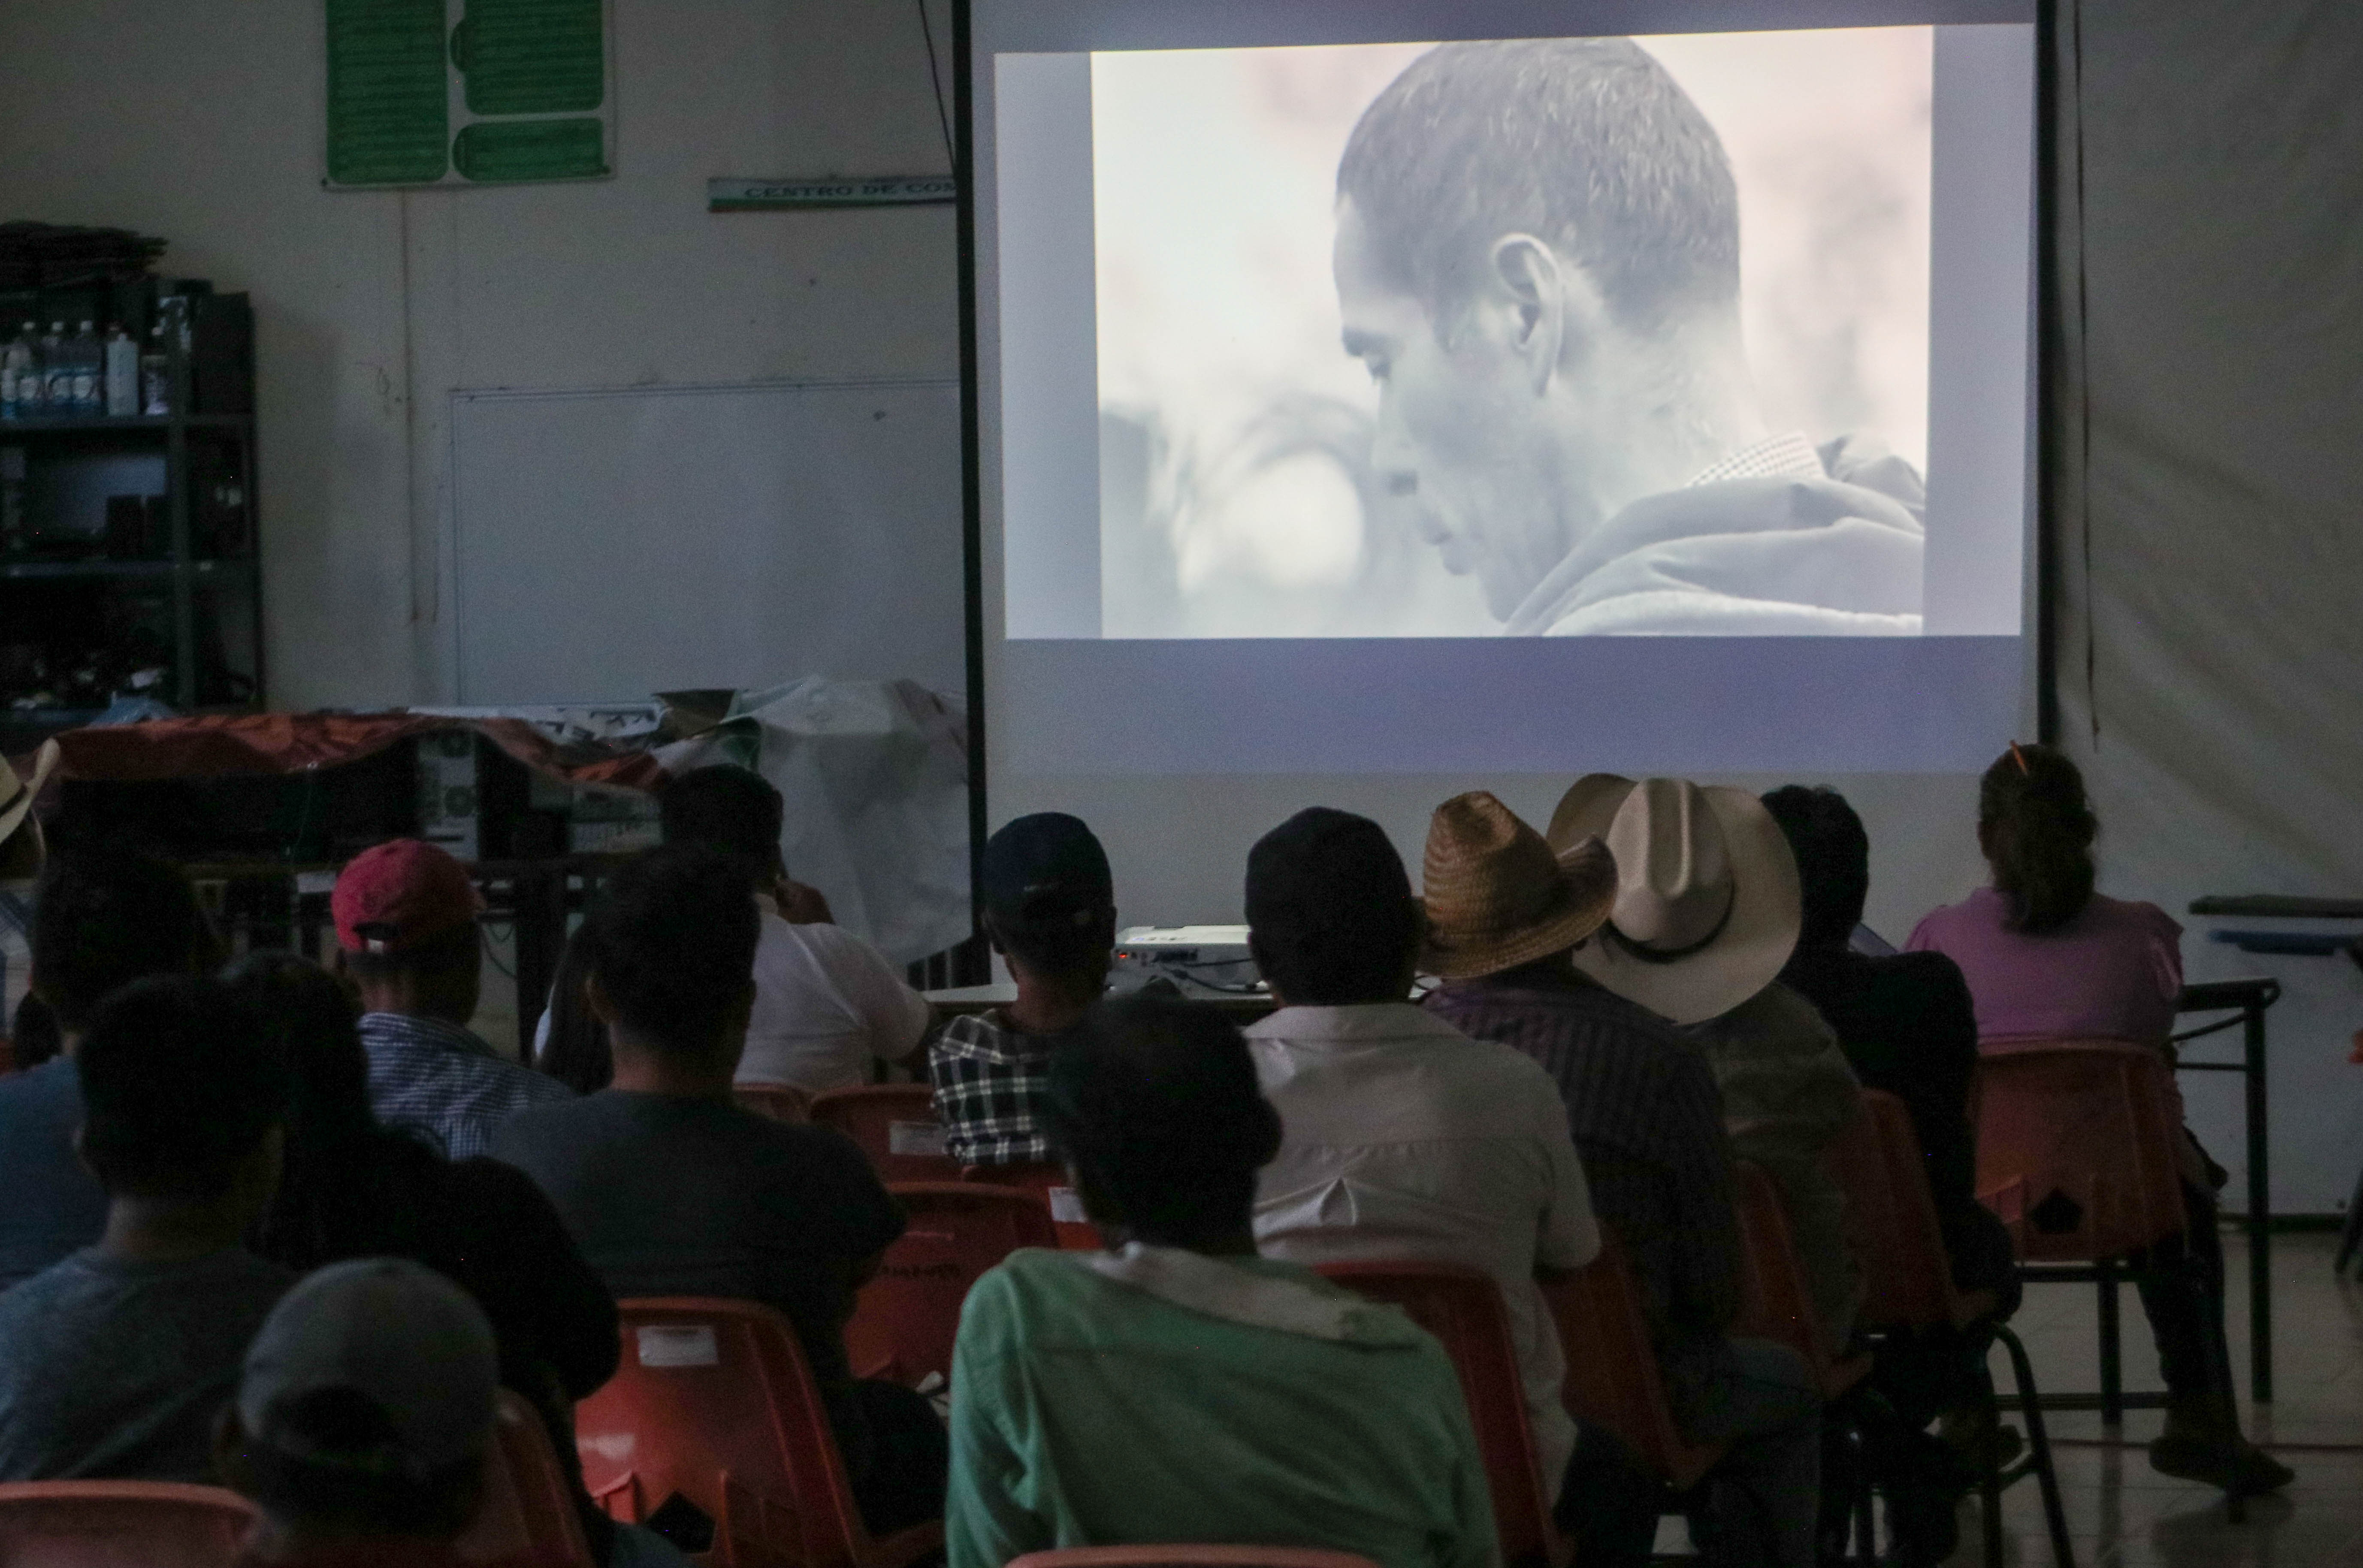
[[2260, 1203], [2050, 336], [971, 958]]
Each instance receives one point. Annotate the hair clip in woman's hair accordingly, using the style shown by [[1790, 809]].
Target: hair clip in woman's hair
[[2019, 757]]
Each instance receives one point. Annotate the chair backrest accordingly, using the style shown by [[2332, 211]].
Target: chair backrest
[[1613, 1379], [780, 1103], [527, 1513], [2076, 1147], [1776, 1301], [1462, 1308], [120, 1524], [907, 1315], [714, 1405], [896, 1126], [1189, 1557], [1891, 1219], [1056, 1186]]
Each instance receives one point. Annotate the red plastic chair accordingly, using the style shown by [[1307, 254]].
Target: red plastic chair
[[714, 1405], [1777, 1299], [1189, 1557], [896, 1126], [907, 1315], [1908, 1288], [1056, 1184], [527, 1513], [2076, 1148], [1462, 1308], [780, 1103], [1613, 1378], [120, 1524]]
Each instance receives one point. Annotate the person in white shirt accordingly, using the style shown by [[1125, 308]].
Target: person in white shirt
[[827, 1004], [1404, 1138]]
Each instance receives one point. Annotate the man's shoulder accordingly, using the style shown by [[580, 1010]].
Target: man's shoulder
[[987, 1039], [41, 1091], [827, 945]]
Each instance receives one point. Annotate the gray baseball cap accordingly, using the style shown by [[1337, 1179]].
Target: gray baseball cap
[[405, 1338]]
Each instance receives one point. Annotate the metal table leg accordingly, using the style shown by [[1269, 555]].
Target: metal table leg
[[2112, 1395]]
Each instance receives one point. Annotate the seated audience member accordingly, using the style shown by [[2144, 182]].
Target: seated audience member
[[2047, 957], [106, 917], [1648, 1123], [1049, 911], [671, 1189], [1182, 1388], [1906, 1026], [1401, 1136], [363, 1419], [827, 1004], [1904, 1022], [1706, 915], [352, 1188], [406, 914], [113, 1361]]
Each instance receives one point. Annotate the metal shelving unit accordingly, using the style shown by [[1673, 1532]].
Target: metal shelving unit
[[205, 565]]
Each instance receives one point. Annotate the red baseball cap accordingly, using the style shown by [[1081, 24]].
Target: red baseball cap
[[391, 898]]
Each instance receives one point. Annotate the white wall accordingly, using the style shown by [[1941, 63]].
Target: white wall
[[201, 121]]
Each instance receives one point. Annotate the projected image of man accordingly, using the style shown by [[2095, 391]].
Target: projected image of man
[[1537, 258]]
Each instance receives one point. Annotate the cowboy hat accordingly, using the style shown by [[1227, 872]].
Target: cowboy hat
[[1706, 908], [1496, 894], [17, 796]]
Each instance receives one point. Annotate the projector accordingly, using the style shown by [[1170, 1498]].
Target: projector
[[1215, 953]]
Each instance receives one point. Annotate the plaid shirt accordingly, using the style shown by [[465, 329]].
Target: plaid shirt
[[440, 1079], [1647, 1119], [990, 1080], [1785, 455]]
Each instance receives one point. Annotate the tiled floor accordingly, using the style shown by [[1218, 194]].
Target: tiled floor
[[2122, 1514]]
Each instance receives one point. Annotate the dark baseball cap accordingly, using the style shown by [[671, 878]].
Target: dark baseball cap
[[1320, 862], [1045, 869]]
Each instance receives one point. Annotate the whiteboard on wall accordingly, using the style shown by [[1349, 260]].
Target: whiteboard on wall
[[610, 543]]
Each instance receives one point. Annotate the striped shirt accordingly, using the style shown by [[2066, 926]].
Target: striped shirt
[[990, 1083], [1647, 1121], [438, 1079]]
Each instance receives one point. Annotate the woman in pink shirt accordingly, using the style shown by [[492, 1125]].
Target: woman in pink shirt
[[2049, 959]]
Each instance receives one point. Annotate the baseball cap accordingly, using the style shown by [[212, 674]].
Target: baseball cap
[[391, 898], [401, 1336], [1045, 869], [1321, 861]]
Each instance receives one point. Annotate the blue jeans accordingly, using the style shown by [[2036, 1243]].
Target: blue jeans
[[1759, 1507]]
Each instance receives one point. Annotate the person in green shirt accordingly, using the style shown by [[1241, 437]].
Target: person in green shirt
[[1178, 1388]]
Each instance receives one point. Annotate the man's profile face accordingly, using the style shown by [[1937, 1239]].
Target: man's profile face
[[1463, 435]]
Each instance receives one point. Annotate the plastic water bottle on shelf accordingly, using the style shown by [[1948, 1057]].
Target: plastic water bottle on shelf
[[57, 374], [20, 377], [89, 371], [122, 374], [156, 375]]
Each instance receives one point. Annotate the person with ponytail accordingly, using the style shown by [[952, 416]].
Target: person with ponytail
[[2047, 957]]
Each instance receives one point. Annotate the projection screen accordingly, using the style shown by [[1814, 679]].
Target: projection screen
[[1503, 387]]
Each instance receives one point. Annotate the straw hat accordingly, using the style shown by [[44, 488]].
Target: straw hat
[[17, 796], [1706, 910], [1497, 897]]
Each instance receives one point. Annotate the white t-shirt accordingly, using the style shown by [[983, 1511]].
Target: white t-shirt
[[1404, 1138], [826, 1003]]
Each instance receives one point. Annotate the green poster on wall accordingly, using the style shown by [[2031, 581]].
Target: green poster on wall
[[459, 92]]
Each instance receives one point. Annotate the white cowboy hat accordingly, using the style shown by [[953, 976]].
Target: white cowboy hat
[[1707, 908], [17, 796]]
